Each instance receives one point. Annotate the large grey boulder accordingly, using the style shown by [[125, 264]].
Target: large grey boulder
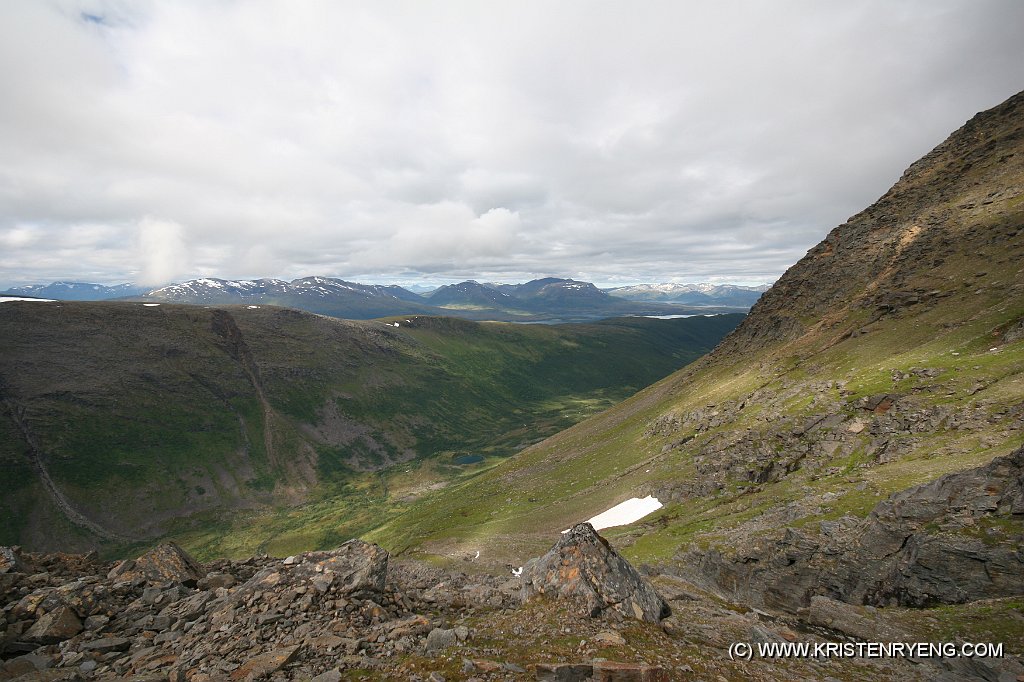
[[584, 570]]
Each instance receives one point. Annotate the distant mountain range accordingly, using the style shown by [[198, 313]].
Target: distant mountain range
[[323, 295], [546, 295], [692, 294], [76, 291], [550, 299]]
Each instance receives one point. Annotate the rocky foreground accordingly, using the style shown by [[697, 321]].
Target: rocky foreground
[[579, 612]]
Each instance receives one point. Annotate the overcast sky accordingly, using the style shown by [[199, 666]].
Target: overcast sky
[[437, 141]]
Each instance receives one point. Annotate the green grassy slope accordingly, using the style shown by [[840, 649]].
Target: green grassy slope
[[142, 420], [917, 298]]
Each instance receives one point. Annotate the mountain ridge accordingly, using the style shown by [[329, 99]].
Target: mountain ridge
[[545, 300], [692, 294], [885, 358]]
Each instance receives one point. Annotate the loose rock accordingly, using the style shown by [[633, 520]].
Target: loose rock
[[583, 569]]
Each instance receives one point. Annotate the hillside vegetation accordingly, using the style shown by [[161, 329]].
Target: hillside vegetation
[[123, 422], [890, 355]]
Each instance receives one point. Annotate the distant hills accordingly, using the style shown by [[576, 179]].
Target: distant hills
[[76, 291], [549, 299], [692, 294], [549, 295]]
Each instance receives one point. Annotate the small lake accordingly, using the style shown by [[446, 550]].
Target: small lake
[[468, 459]]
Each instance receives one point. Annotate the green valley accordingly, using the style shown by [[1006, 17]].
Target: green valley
[[249, 428]]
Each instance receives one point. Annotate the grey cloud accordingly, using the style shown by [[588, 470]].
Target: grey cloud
[[654, 142]]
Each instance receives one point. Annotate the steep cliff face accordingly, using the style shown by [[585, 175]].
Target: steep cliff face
[[956, 206]]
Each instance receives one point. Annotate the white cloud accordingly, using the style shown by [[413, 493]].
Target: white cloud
[[163, 253], [495, 140]]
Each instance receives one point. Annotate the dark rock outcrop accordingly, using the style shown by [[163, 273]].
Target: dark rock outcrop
[[165, 565], [954, 540], [583, 569]]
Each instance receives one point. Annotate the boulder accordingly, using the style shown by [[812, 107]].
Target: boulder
[[265, 664], [583, 569], [354, 566], [11, 561], [165, 565], [56, 626], [852, 620], [440, 639]]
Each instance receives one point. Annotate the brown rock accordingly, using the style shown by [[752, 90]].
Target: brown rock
[[264, 664], [56, 626], [610, 671], [22, 665], [164, 565], [584, 569]]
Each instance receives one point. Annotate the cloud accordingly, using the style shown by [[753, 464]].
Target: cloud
[[163, 253], [666, 141]]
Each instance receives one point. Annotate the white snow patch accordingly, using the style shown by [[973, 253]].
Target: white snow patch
[[5, 299], [253, 307], [397, 325], [677, 317], [667, 317], [150, 305], [624, 513]]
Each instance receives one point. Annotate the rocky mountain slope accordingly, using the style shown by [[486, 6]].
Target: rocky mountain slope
[[119, 420], [890, 356], [845, 468], [578, 612]]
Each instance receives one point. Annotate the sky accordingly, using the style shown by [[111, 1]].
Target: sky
[[383, 141]]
